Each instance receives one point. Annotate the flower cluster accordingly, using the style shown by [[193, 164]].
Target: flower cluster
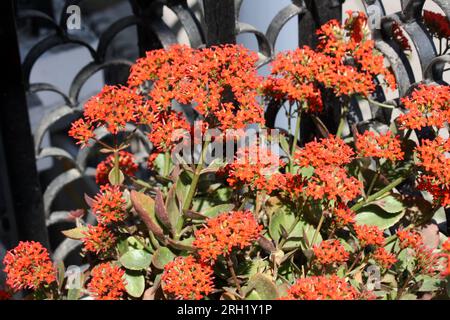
[[400, 38], [257, 167], [107, 282], [98, 239], [382, 146], [112, 108], [345, 62], [437, 24], [330, 252], [203, 78], [369, 235], [435, 179], [127, 165], [446, 249], [185, 278], [222, 234], [109, 205], [383, 258], [428, 105], [28, 266], [427, 261], [330, 179], [322, 288]]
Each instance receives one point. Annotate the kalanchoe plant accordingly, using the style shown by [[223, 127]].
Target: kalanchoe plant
[[308, 222]]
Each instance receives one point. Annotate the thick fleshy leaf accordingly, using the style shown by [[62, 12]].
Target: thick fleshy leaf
[[116, 177], [145, 207], [173, 207], [161, 211], [389, 204], [374, 215], [162, 257], [75, 233], [136, 260], [216, 210], [264, 287], [135, 283]]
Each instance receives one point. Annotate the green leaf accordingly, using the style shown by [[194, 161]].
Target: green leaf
[[145, 207], [429, 284], [135, 283], [280, 221], [374, 215], [389, 204], [116, 178], [284, 144], [264, 286], [76, 233], [73, 294], [215, 211], [173, 207], [162, 257], [136, 260], [307, 172]]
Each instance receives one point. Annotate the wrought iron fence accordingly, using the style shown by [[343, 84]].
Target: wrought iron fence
[[33, 201]]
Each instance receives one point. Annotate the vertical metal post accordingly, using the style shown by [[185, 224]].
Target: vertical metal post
[[17, 139], [220, 22]]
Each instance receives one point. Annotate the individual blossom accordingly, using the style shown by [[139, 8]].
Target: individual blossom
[[127, 165], [369, 235], [107, 282], [256, 167], [321, 288], [435, 177], [109, 205], [437, 24], [383, 146], [98, 239], [28, 266], [328, 151], [333, 183], [222, 234], [82, 132], [186, 279], [428, 105], [330, 252], [383, 258]]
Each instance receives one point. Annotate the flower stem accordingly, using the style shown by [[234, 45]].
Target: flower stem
[[316, 233], [296, 137], [117, 165], [233, 275], [378, 194], [379, 104], [196, 177]]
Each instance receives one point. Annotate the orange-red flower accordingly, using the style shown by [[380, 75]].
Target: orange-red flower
[[437, 24], [186, 279], [409, 239], [256, 167], [98, 239], [203, 77], [107, 282], [343, 216], [330, 252], [333, 183], [369, 235], [113, 108], [127, 165], [400, 38], [222, 234], [384, 258], [109, 205], [428, 105], [28, 266], [435, 178], [446, 249], [329, 151], [385, 146], [322, 288]]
